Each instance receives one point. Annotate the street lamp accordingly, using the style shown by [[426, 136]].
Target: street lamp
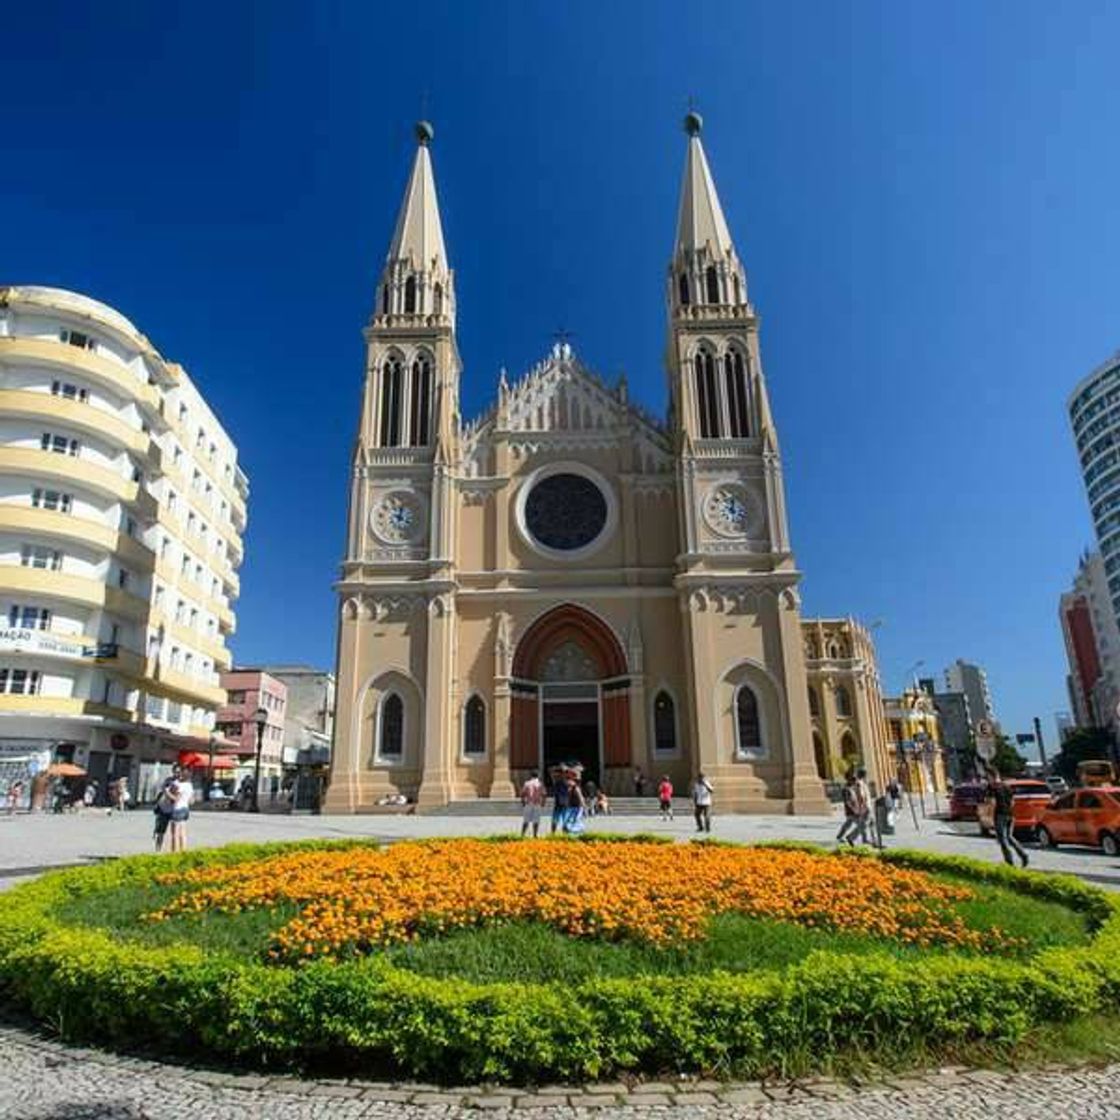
[[210, 763], [260, 718]]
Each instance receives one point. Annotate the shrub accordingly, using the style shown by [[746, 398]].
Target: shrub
[[367, 1014]]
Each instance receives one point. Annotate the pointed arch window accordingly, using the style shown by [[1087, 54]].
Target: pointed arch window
[[474, 728], [738, 406], [392, 402], [814, 703], [711, 279], [421, 404], [385, 298], [437, 299], [664, 724], [843, 701], [410, 295], [707, 395], [682, 287], [390, 728], [748, 726], [736, 288]]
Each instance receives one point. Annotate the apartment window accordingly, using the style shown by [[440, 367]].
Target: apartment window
[[171, 501], [114, 634], [237, 697], [180, 611], [130, 526], [61, 445], [29, 618], [107, 691], [153, 645], [122, 579], [185, 567], [159, 596], [182, 413], [37, 556], [176, 657], [200, 441], [194, 618], [51, 499], [137, 474], [188, 663], [77, 338], [178, 456], [215, 590], [68, 391], [164, 545], [20, 682], [198, 573], [196, 482], [190, 522]]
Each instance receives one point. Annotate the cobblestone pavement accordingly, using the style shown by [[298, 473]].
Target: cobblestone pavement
[[45, 1080], [32, 843]]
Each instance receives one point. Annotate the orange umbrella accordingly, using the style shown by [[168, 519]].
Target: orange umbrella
[[65, 770]]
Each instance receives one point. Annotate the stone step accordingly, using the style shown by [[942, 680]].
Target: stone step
[[494, 807]]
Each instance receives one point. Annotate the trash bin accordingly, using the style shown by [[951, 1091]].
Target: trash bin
[[883, 817]]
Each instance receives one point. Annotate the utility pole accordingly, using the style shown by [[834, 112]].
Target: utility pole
[[1038, 740]]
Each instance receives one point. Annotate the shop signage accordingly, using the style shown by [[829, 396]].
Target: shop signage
[[15, 639]]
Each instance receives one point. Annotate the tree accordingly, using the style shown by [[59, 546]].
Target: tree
[[1008, 761], [1081, 745]]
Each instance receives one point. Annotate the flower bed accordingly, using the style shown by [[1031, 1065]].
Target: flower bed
[[348, 1006], [354, 900]]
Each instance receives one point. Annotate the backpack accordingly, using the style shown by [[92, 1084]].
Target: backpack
[[851, 800]]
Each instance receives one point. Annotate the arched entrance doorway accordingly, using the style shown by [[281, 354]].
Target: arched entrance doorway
[[570, 695]]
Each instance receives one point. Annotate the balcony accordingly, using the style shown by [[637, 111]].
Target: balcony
[[73, 471], [54, 355], [68, 527], [39, 583]]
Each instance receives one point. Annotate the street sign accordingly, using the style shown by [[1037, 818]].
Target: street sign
[[986, 747]]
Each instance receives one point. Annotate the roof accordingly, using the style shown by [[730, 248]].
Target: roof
[[700, 220], [419, 233]]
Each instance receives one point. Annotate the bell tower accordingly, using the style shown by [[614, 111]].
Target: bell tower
[[397, 588], [737, 579]]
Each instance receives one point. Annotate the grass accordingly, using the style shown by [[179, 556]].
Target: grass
[[535, 953]]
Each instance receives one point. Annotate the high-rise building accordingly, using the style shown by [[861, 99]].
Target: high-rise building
[[1094, 412], [567, 578], [121, 514], [309, 713], [962, 676], [1092, 641]]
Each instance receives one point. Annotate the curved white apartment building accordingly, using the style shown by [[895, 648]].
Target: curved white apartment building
[[121, 514]]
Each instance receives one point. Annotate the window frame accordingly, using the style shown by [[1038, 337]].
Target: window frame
[[675, 751], [380, 756], [749, 753], [474, 757]]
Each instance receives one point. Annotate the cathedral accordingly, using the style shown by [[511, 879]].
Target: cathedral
[[567, 578]]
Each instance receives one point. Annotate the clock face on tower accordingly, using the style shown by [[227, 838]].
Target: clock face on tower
[[727, 509], [398, 518]]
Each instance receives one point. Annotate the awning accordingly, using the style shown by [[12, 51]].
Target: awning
[[195, 760]]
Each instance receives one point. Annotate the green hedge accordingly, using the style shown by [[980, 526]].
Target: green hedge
[[369, 1015]]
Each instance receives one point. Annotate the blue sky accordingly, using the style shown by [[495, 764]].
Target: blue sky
[[925, 195]]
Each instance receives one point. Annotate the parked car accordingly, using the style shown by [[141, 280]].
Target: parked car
[[1031, 798], [1083, 816], [965, 800], [1057, 784]]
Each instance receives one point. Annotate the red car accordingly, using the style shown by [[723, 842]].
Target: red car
[[1083, 816], [1031, 799], [965, 800]]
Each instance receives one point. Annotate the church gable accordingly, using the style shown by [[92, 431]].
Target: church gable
[[560, 403]]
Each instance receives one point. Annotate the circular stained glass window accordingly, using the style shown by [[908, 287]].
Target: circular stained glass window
[[565, 512]]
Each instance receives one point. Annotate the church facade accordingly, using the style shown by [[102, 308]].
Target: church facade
[[566, 577]]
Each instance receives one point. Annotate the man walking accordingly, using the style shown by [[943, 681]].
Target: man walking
[[851, 824], [1000, 792], [702, 803], [532, 799], [559, 798]]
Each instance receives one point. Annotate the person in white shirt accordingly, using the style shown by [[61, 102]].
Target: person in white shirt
[[702, 803], [182, 794]]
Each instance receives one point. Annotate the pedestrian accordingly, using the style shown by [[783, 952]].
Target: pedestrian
[[863, 792], [1000, 792], [639, 782], [182, 792], [702, 803], [590, 796], [602, 804], [89, 794], [665, 797], [894, 792], [165, 802], [573, 815], [532, 798], [120, 794], [559, 797], [850, 796], [15, 792]]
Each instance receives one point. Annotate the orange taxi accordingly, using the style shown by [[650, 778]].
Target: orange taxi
[[1083, 816], [1030, 800]]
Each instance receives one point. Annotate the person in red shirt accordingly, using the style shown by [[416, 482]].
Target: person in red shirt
[[665, 797]]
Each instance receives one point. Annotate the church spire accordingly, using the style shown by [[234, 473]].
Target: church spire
[[706, 270], [416, 281]]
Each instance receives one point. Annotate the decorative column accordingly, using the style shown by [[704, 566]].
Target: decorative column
[[435, 782]]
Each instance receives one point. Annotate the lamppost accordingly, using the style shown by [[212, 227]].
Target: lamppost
[[260, 718], [210, 764]]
